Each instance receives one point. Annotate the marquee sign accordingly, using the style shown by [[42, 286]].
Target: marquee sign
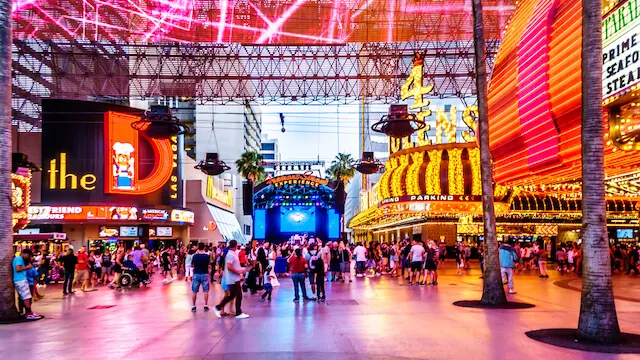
[[297, 179], [20, 198], [212, 192], [621, 49], [423, 198]]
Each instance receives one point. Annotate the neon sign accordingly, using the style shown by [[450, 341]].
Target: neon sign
[[297, 179], [58, 176], [121, 151], [20, 198], [445, 124], [212, 192]]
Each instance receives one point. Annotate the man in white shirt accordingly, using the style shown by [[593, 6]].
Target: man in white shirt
[[232, 274], [417, 259], [361, 259]]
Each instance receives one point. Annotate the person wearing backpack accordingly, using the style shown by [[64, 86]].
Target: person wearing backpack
[[508, 260], [316, 265]]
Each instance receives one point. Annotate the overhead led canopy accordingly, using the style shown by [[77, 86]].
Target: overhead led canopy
[[255, 22]]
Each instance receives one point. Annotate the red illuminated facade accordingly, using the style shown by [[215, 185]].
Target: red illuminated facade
[[535, 99]]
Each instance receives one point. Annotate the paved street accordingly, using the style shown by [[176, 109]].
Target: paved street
[[372, 318]]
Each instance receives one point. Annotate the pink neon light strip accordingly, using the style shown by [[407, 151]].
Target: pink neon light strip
[[534, 104]]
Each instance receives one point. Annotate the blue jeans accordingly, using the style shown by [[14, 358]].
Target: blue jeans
[[198, 280], [298, 281]]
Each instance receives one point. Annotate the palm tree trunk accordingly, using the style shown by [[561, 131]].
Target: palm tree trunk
[[7, 294], [492, 290], [598, 320]]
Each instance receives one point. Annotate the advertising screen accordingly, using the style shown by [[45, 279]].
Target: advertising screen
[[333, 224], [259, 223], [129, 231], [164, 231], [297, 219], [624, 233]]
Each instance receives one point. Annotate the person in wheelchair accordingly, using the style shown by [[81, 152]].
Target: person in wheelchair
[[141, 275]]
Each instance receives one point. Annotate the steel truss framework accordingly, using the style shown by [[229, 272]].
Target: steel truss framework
[[233, 73]]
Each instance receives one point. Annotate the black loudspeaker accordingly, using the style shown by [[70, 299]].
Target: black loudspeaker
[[247, 198], [339, 197]]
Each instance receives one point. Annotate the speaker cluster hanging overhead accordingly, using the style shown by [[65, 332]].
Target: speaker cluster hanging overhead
[[159, 123], [368, 164], [399, 122], [212, 165]]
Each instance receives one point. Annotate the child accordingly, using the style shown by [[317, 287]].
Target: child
[[317, 267], [459, 261], [268, 287]]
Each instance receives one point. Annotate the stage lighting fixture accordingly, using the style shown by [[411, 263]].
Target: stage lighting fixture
[[399, 122], [212, 165], [159, 123], [368, 164]]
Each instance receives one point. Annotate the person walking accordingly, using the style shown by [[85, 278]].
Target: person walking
[[361, 259], [268, 287], [199, 264], [82, 269], [68, 262], [417, 258], [508, 260], [106, 266], [543, 256], [633, 260], [317, 269], [345, 262], [298, 269], [233, 274]]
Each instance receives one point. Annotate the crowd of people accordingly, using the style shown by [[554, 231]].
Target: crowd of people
[[254, 269]]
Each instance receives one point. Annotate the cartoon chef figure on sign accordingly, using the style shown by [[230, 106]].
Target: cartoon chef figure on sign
[[123, 165]]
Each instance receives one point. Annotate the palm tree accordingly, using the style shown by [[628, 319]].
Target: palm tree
[[492, 290], [250, 166], [342, 171], [8, 310], [598, 320]]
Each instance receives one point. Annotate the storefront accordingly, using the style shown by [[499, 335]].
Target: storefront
[[104, 226], [103, 181], [215, 220]]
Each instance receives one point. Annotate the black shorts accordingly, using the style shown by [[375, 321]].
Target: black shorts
[[430, 265], [117, 269], [416, 265], [166, 267], [98, 271]]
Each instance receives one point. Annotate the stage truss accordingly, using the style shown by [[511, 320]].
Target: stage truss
[[235, 73]]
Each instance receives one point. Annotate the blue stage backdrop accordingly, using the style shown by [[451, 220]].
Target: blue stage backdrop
[[298, 219]]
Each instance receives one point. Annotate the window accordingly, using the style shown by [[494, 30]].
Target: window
[[268, 146], [247, 229], [268, 156]]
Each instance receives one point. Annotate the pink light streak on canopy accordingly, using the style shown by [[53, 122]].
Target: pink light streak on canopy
[[253, 21]]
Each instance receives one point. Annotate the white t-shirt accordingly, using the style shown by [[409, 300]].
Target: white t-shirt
[[360, 253], [418, 253], [231, 259]]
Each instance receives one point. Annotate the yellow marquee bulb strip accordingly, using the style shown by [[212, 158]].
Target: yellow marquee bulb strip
[[413, 174]]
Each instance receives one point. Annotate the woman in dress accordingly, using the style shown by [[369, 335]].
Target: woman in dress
[[271, 257]]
